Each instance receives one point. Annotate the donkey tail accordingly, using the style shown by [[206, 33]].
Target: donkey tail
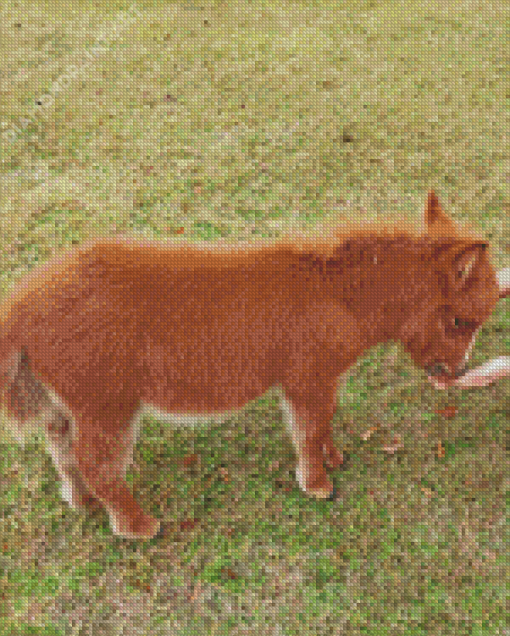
[[22, 395]]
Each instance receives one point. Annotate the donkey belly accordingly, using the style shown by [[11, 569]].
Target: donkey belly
[[212, 398]]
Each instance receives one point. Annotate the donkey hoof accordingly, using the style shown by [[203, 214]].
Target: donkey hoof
[[333, 495], [326, 493], [144, 528], [161, 532]]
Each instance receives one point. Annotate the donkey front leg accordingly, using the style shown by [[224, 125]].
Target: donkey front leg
[[308, 410]]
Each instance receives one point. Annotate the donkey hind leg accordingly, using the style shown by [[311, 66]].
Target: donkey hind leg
[[29, 403], [59, 440], [332, 456], [29, 400], [60, 433], [102, 459]]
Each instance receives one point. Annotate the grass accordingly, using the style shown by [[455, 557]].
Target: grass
[[239, 120]]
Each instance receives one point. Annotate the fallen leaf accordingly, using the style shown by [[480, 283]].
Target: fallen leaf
[[448, 412], [224, 474], [368, 433], [189, 460], [188, 524]]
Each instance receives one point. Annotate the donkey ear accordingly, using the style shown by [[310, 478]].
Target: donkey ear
[[465, 263], [503, 277], [438, 224]]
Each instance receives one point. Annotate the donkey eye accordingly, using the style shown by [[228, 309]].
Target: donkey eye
[[456, 325], [463, 324]]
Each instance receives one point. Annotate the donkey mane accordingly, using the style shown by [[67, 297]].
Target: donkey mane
[[322, 242]]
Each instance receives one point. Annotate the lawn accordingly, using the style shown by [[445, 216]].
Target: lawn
[[241, 120]]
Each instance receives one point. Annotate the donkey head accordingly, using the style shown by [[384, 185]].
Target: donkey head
[[463, 291]]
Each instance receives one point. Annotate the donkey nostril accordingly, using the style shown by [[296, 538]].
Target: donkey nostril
[[461, 371]]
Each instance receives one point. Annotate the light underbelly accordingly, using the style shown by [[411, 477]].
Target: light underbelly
[[189, 418]]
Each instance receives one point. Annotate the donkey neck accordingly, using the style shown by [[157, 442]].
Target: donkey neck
[[381, 281]]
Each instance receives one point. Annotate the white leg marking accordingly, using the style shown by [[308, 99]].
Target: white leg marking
[[289, 416]]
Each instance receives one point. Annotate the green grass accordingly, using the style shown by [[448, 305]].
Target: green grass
[[241, 120]]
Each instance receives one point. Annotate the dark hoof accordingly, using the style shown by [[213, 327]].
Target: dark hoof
[[333, 494], [161, 532], [344, 464]]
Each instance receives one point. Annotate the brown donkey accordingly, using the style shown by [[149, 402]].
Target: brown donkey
[[92, 337]]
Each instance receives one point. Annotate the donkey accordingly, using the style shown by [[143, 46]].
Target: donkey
[[116, 326]]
